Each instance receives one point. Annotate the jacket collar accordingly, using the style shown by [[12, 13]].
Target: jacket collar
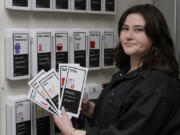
[[140, 71]]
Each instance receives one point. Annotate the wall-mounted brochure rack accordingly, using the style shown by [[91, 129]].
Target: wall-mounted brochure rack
[[96, 6], [42, 121], [108, 45], [41, 46], [18, 4], [29, 51], [109, 6], [42, 5], [94, 49], [18, 115], [79, 6], [61, 47], [79, 47], [73, 6], [17, 54], [62, 5]]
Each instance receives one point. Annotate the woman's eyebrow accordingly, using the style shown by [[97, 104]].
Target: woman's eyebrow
[[139, 26], [134, 25]]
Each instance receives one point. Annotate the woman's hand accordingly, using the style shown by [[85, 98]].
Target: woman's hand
[[87, 107], [64, 123]]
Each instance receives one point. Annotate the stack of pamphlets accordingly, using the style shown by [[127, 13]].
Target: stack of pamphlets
[[52, 90]]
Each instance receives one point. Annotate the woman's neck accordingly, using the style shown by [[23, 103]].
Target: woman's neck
[[134, 64]]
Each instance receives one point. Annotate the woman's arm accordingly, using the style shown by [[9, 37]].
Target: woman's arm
[[78, 132], [65, 125]]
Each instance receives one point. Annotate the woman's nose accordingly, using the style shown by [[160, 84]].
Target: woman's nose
[[129, 34]]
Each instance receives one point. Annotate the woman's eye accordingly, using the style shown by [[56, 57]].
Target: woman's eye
[[124, 28], [139, 29]]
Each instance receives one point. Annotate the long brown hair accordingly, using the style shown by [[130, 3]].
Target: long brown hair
[[161, 55]]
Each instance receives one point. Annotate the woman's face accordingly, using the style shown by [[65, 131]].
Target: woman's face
[[133, 38]]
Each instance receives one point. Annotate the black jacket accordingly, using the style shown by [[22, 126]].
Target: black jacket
[[142, 102]]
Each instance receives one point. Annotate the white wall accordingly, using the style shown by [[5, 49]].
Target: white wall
[[20, 19]]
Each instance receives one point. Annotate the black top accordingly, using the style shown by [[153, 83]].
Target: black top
[[142, 102]]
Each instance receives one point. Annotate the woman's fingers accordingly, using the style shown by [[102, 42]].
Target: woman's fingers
[[85, 105], [85, 101], [64, 114], [56, 117]]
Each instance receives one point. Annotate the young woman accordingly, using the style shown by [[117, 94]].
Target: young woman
[[143, 98]]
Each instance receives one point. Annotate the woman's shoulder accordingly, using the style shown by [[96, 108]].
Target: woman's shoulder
[[163, 84], [162, 77]]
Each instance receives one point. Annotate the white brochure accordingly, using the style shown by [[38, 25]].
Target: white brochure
[[35, 97], [73, 90], [34, 83], [63, 68], [50, 85]]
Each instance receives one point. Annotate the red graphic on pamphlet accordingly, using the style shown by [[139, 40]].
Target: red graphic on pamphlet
[[77, 46], [62, 81], [70, 83], [20, 116], [92, 44], [59, 47], [45, 104], [40, 48], [72, 86]]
